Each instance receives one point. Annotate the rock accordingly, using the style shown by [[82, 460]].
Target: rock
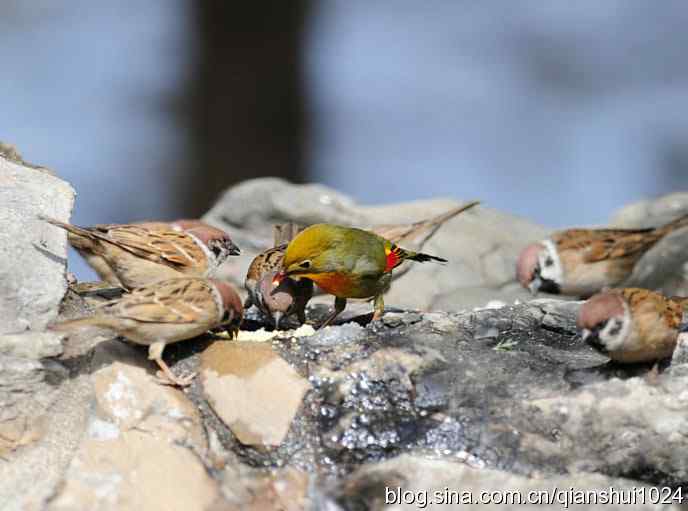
[[32, 345], [680, 356], [32, 267], [49, 423], [281, 490], [412, 482], [481, 244], [144, 445], [665, 266], [253, 390], [651, 213], [622, 427], [490, 395], [530, 398]]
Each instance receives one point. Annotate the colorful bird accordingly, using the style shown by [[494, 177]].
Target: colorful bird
[[291, 297], [346, 262]]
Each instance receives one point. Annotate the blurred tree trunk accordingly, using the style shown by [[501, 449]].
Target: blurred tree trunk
[[247, 101]]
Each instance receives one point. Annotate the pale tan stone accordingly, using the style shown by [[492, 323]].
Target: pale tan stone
[[253, 390]]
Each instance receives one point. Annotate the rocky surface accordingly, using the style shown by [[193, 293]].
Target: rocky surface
[[491, 395], [663, 267], [32, 266]]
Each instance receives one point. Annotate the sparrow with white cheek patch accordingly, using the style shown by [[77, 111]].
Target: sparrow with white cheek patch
[[582, 262], [140, 254], [100, 265], [288, 297], [292, 296], [632, 325], [166, 312]]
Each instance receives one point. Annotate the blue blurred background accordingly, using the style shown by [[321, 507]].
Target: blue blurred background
[[556, 111]]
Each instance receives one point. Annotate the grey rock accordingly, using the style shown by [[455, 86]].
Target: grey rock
[[482, 244], [411, 482], [664, 267], [509, 389], [650, 213], [680, 355], [33, 253], [32, 344]]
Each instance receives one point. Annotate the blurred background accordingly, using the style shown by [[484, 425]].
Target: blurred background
[[556, 111]]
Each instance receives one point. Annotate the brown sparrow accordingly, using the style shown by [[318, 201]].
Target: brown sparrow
[[266, 264], [166, 312], [140, 254], [291, 297], [582, 262], [632, 325], [100, 265]]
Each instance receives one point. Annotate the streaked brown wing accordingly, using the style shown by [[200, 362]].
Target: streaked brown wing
[[162, 246], [172, 301], [601, 244]]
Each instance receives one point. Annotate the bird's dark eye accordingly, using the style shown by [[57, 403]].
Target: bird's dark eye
[[226, 316], [549, 261], [305, 265], [216, 248]]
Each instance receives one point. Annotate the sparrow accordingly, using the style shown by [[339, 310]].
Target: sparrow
[[140, 254], [289, 297], [582, 262], [101, 267], [261, 271], [165, 312], [292, 296], [345, 262], [632, 325]]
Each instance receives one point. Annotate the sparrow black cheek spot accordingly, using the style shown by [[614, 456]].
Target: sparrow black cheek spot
[[615, 327], [549, 286]]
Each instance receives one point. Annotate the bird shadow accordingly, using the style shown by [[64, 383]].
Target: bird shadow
[[579, 377]]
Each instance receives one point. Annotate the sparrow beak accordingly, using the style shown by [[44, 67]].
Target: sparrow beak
[[535, 285], [592, 339], [234, 250], [277, 279], [277, 317]]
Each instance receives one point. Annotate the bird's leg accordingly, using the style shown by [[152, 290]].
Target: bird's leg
[[277, 318], [378, 307], [339, 306], [248, 302], [301, 314], [168, 377]]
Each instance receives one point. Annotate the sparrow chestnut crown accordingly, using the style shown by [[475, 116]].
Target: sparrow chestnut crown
[[527, 262], [599, 309]]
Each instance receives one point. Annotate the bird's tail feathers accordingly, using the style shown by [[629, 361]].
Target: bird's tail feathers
[[420, 257], [79, 323], [674, 225], [74, 229]]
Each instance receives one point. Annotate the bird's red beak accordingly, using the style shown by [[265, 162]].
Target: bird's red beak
[[279, 278]]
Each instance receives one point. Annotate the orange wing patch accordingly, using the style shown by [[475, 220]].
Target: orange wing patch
[[333, 283]]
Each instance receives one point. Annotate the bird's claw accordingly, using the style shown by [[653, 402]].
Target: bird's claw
[[175, 381]]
